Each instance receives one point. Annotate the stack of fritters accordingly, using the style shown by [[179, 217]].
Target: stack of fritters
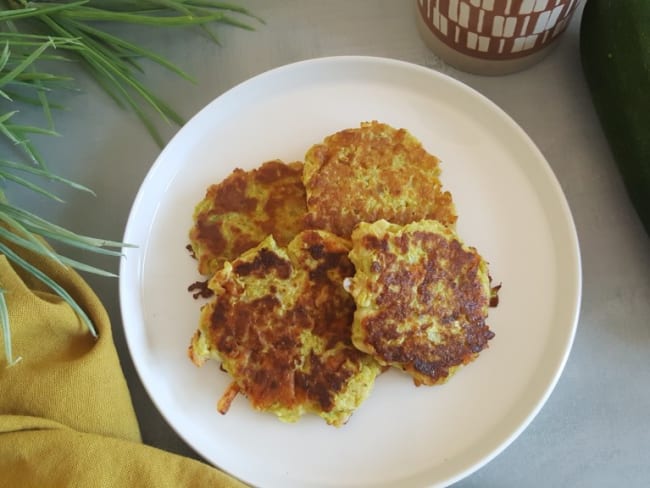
[[324, 274]]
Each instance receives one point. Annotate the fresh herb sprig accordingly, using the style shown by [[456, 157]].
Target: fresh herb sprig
[[113, 61], [65, 31]]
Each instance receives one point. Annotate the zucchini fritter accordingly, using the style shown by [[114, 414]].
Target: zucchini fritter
[[281, 326], [239, 212], [370, 173], [422, 298]]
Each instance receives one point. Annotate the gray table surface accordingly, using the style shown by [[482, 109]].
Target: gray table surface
[[594, 430]]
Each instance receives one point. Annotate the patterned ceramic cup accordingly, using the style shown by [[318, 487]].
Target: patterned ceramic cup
[[492, 37]]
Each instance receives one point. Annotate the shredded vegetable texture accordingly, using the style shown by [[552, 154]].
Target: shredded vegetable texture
[[51, 33]]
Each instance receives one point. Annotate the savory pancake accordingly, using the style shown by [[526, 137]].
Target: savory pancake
[[369, 173], [238, 213], [280, 325], [422, 298]]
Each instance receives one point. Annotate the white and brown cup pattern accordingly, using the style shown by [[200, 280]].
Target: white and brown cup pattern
[[495, 30]]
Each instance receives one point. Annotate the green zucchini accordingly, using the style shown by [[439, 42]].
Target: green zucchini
[[615, 55]]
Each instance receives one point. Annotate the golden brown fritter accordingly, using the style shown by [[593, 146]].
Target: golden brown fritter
[[422, 298], [238, 213], [280, 325], [370, 173]]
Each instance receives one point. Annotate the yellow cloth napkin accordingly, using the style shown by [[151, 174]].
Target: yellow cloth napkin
[[66, 417]]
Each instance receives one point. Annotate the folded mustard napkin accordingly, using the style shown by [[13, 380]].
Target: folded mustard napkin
[[66, 417]]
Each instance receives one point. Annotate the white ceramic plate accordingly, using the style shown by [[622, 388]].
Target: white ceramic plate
[[510, 207]]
